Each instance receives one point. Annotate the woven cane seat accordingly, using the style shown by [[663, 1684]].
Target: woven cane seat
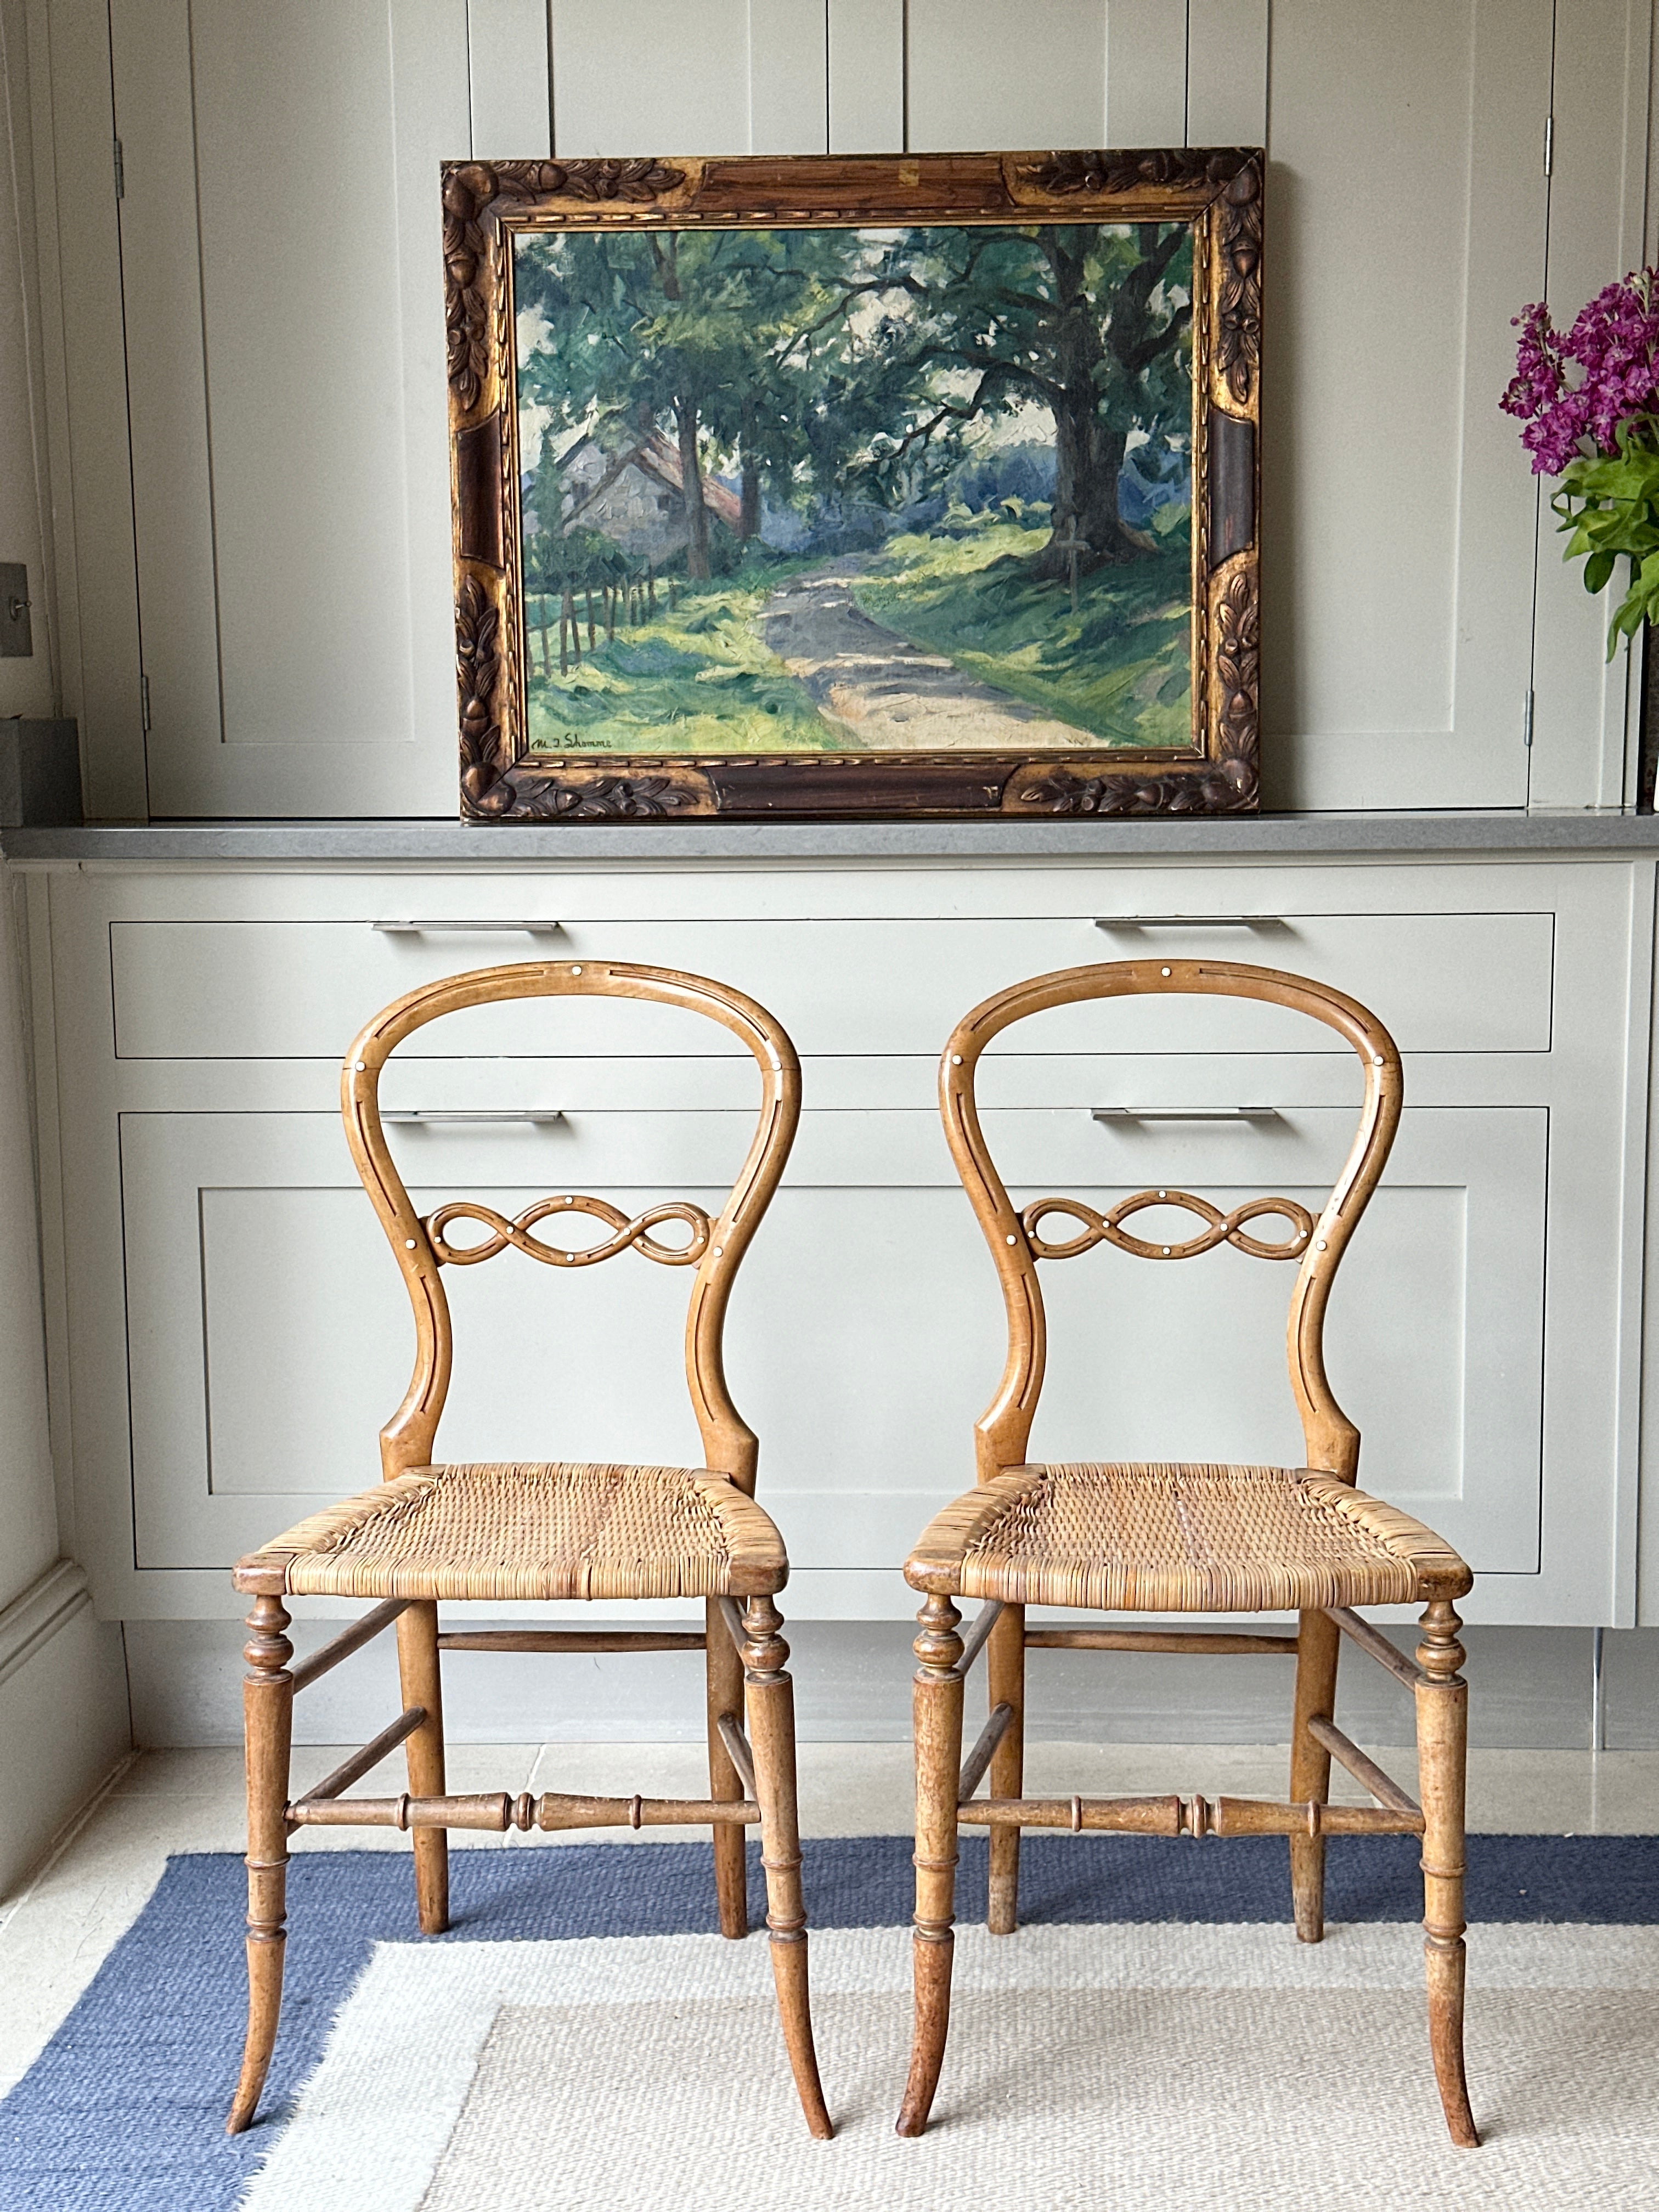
[[1159, 1537], [516, 1529]]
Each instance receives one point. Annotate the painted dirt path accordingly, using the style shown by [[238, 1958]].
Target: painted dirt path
[[888, 695]]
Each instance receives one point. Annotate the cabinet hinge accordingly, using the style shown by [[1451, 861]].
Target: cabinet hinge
[[1549, 145], [143, 701], [120, 173], [1526, 721]]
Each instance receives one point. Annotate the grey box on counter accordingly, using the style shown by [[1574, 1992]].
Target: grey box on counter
[[40, 774]]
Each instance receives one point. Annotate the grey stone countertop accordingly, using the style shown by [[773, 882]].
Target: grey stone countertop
[[432, 840]]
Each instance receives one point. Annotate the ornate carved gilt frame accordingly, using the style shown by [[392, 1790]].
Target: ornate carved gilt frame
[[1219, 191]]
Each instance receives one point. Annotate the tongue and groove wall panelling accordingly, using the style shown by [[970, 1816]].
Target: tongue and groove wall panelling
[[283, 297], [167, 388], [976, 81], [866, 75], [650, 76], [509, 80], [727, 76], [419, 775], [276, 259], [1405, 224], [788, 76], [79, 244], [1227, 72], [1146, 59], [1584, 742]]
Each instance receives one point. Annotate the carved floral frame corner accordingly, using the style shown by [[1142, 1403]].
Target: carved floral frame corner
[[1218, 190]]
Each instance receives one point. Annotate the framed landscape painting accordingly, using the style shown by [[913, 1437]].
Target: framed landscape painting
[[868, 486]]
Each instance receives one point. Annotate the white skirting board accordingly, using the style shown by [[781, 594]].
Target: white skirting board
[[1529, 1689], [63, 1714]]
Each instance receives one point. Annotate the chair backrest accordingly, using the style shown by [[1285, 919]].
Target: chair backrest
[[1003, 1431], [714, 1246]]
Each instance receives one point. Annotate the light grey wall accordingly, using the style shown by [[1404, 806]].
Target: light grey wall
[[64, 1717], [63, 1710], [28, 1530], [29, 1516]]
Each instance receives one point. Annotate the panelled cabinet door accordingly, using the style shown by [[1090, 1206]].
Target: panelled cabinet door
[[281, 280], [1449, 982], [1408, 211], [1434, 1337], [270, 1335], [249, 1236]]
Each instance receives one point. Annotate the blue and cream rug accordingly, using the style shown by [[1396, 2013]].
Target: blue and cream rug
[[1153, 2034]]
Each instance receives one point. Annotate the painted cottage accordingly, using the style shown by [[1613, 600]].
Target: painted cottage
[[636, 497]]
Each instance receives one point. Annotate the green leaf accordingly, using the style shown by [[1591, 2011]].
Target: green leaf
[[1628, 618], [1597, 570]]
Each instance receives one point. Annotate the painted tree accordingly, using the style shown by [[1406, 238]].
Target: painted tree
[[1090, 321], [661, 329], [830, 361], [759, 401]]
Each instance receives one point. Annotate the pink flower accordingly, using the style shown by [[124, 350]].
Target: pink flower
[[1575, 393]]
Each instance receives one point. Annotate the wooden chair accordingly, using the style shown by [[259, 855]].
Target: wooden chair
[[1166, 1538], [543, 1531]]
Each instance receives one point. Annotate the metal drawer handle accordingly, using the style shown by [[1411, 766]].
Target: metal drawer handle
[[1190, 921], [436, 923], [1185, 1113], [428, 1116]]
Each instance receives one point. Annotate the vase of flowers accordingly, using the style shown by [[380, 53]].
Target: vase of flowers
[[1589, 399]]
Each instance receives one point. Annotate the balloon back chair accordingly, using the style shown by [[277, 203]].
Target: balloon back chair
[[1167, 1538], [548, 1531]]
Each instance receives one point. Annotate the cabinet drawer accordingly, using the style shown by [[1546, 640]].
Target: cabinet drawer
[[255, 990], [269, 1335]]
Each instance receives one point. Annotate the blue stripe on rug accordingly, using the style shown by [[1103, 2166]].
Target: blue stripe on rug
[[124, 2108]]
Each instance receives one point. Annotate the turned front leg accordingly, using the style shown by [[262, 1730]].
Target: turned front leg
[[938, 1768], [1441, 1751], [267, 1717], [771, 1702]]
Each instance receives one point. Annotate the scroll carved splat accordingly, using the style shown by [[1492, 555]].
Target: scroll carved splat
[[1220, 1228], [517, 1233]]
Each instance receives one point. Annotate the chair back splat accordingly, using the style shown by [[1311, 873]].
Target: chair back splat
[[1003, 1430], [716, 1248]]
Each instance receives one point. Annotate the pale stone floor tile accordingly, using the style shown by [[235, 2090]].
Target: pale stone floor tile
[[217, 1769], [202, 1773], [57, 1929], [1563, 1793]]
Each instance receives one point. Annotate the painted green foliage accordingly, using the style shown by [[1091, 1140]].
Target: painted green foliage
[[977, 438]]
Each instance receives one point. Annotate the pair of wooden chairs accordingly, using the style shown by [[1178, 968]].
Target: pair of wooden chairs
[[1120, 1537]]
